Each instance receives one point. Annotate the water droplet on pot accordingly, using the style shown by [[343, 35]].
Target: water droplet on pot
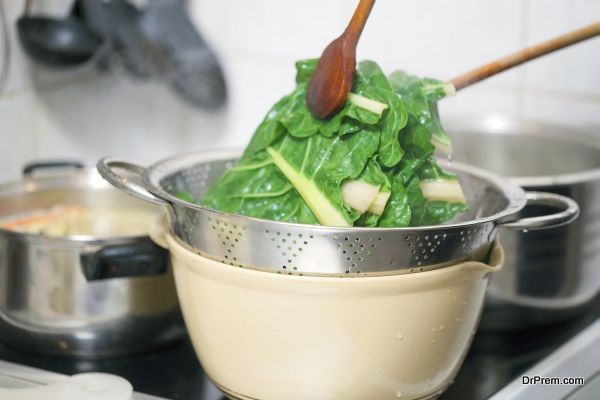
[[399, 336], [398, 394]]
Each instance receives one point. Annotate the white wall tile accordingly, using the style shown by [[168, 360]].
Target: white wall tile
[[573, 70], [18, 143], [274, 30], [479, 100], [115, 116], [442, 38]]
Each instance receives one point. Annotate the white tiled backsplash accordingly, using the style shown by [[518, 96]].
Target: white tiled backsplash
[[85, 114]]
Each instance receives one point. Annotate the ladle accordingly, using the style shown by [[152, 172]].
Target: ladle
[[57, 43]]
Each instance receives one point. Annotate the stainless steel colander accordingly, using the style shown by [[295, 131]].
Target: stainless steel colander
[[329, 251]]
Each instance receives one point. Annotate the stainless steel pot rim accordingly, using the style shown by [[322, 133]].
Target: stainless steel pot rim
[[504, 125], [557, 180], [69, 240], [87, 178], [153, 174]]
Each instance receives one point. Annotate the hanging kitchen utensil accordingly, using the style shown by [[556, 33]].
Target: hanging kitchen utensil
[[160, 42], [118, 20], [58, 43], [188, 64]]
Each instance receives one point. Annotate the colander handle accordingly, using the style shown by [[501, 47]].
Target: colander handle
[[107, 168], [569, 211]]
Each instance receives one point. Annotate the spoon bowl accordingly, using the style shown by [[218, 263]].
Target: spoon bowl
[[333, 77]]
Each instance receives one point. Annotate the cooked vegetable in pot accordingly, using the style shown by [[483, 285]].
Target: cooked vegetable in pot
[[371, 164], [68, 220]]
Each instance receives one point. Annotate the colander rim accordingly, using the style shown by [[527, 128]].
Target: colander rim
[[153, 174]]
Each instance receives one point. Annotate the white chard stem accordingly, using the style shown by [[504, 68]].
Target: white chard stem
[[443, 190], [367, 104]]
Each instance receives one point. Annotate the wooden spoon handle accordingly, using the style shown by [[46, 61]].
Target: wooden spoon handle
[[524, 55], [359, 19]]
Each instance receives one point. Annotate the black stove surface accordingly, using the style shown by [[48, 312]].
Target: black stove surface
[[495, 359]]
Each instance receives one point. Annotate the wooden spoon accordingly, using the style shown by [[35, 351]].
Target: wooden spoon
[[333, 77], [525, 55]]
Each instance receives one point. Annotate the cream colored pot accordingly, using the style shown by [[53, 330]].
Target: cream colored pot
[[268, 336]]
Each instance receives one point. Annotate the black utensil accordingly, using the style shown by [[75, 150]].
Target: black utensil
[[58, 43], [160, 42]]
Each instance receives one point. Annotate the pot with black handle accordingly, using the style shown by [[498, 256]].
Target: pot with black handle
[[82, 294]]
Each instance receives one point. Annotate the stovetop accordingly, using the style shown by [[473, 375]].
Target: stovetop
[[494, 360]]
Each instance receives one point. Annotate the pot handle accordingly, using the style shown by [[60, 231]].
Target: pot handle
[[107, 168], [570, 211], [140, 258], [29, 168]]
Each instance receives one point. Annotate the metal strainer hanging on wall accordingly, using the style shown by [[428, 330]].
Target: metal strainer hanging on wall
[[329, 251]]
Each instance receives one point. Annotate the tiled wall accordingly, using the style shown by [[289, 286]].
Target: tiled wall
[[85, 114]]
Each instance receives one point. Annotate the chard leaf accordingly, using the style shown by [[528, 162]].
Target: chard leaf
[[269, 131], [372, 83], [372, 174], [432, 171], [256, 188], [305, 70], [420, 97], [415, 139], [295, 165], [372, 75], [317, 166], [368, 219], [398, 211], [299, 122], [390, 151], [426, 212]]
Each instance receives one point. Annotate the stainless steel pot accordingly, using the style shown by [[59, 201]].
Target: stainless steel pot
[[549, 275], [82, 294]]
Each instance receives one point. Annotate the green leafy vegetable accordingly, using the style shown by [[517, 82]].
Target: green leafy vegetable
[[369, 165], [420, 97]]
